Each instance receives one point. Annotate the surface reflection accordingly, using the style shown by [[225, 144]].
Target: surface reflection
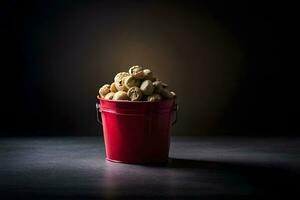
[[195, 178]]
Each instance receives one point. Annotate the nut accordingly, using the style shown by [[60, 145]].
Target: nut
[[130, 81], [123, 83], [166, 93], [104, 90], [154, 97], [136, 71], [147, 87], [148, 74], [173, 94], [113, 87], [135, 93], [164, 84], [159, 84], [109, 96], [118, 80], [121, 95]]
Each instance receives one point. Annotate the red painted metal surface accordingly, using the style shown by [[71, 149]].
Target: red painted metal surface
[[136, 132]]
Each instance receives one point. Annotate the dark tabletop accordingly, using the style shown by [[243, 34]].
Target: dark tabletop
[[206, 167]]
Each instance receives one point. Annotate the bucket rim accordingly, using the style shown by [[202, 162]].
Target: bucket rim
[[134, 102]]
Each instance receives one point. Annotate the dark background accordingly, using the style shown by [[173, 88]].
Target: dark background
[[226, 61]]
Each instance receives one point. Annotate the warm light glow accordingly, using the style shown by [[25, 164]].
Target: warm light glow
[[198, 58]]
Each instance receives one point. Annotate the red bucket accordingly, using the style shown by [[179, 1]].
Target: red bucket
[[136, 132]]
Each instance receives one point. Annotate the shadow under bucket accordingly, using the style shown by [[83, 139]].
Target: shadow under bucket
[[136, 132]]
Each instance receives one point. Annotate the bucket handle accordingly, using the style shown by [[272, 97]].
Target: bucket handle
[[175, 110], [97, 113]]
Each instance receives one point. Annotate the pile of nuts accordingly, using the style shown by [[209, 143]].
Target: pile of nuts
[[138, 84]]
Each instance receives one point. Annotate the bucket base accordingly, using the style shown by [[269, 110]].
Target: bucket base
[[160, 162]]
